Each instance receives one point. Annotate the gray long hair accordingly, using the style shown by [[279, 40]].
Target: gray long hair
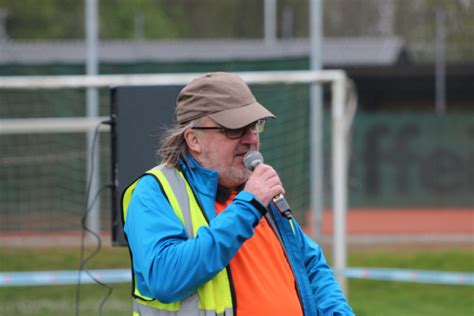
[[173, 144]]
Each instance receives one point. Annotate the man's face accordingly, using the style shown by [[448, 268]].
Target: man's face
[[225, 155]]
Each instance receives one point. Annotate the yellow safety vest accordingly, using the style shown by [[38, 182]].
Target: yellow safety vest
[[212, 298]]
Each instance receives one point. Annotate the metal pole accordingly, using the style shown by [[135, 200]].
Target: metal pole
[[3, 31], [316, 121], [139, 26], [92, 111], [440, 64], [339, 179], [270, 24]]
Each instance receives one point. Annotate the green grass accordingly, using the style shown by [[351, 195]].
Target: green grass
[[371, 297], [61, 300], [367, 297]]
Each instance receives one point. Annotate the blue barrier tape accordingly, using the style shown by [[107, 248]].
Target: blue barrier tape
[[63, 277], [33, 278], [405, 275]]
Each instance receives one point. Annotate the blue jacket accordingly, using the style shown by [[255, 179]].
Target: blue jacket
[[169, 267]]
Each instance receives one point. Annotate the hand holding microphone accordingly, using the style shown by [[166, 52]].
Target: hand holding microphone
[[264, 183]]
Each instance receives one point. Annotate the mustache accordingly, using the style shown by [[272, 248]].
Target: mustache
[[243, 149]]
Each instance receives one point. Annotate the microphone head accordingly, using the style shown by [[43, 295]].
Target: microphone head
[[252, 159]]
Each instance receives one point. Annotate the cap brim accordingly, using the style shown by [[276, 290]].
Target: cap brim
[[240, 117]]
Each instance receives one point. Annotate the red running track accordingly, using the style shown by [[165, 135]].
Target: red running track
[[405, 222]]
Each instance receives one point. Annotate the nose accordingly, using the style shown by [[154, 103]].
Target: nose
[[251, 138]]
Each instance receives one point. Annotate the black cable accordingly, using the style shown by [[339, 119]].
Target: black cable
[[82, 263]]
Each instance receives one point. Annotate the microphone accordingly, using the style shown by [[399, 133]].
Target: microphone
[[251, 160]]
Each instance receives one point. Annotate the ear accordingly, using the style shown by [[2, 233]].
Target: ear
[[193, 141]]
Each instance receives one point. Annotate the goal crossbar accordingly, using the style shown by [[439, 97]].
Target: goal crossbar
[[104, 81]]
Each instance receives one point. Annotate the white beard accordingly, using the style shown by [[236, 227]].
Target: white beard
[[227, 174]]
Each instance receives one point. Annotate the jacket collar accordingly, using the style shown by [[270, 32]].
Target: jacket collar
[[203, 181]]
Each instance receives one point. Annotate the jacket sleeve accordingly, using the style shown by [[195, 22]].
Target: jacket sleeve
[[327, 293], [167, 265]]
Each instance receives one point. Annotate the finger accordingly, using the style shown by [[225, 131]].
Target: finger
[[260, 169], [273, 181], [268, 173], [277, 189]]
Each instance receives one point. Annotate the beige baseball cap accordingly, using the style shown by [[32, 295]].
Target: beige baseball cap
[[222, 96]]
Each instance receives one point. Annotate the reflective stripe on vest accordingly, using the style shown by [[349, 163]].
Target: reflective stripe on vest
[[144, 310], [212, 298]]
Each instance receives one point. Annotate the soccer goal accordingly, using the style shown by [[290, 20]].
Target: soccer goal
[[46, 156]]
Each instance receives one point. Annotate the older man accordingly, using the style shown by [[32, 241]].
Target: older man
[[204, 235]]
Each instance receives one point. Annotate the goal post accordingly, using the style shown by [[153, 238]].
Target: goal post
[[342, 111]]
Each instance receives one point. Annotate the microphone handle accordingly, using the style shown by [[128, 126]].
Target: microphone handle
[[282, 205]]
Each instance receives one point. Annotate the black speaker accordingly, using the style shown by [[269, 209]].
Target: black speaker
[[139, 115]]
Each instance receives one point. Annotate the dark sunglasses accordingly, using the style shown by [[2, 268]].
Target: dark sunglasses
[[255, 128]]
